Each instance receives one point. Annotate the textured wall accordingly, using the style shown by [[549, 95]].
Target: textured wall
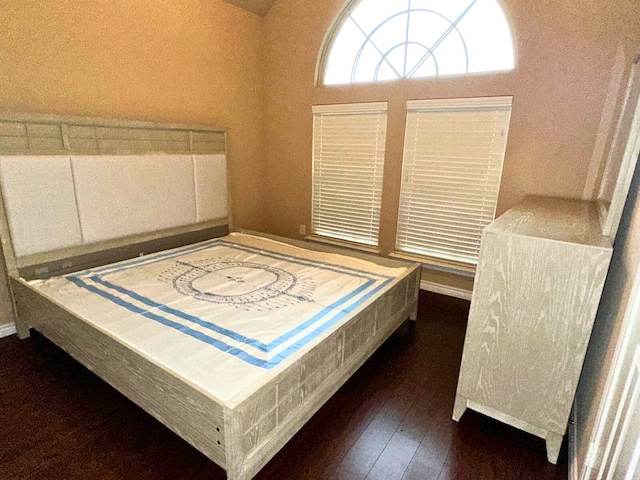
[[565, 51]]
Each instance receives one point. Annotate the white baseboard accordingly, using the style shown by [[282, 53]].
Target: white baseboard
[[7, 329], [445, 290]]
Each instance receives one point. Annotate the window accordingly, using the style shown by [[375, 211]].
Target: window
[[453, 155], [348, 159], [388, 40]]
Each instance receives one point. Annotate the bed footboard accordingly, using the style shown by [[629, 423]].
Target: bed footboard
[[258, 426]]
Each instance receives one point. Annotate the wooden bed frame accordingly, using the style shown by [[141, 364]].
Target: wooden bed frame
[[240, 435]]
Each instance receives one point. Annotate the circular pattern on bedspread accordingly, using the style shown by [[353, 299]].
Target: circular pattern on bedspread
[[252, 282]]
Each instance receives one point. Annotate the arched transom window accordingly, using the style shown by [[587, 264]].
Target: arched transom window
[[392, 39]]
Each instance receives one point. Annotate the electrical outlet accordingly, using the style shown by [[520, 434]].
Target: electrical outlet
[[303, 229]]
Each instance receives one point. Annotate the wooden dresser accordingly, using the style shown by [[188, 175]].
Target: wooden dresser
[[541, 271]]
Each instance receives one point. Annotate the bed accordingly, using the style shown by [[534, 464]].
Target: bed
[[231, 339]]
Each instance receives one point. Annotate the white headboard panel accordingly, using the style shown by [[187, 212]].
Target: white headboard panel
[[56, 202], [124, 195], [212, 195], [40, 202]]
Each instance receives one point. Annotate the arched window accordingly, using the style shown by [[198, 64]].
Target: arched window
[[388, 40]]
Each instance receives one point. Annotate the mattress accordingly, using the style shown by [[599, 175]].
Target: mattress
[[225, 314]]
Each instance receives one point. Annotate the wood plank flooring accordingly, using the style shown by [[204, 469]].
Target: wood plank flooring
[[392, 420]]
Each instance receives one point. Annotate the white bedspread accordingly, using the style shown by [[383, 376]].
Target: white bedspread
[[222, 313]]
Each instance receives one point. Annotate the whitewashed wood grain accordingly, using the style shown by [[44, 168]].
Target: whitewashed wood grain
[[29, 133], [556, 219], [531, 316], [532, 311], [263, 418], [243, 465]]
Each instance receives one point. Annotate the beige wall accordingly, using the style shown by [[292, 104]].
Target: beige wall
[[565, 52], [607, 328], [181, 61]]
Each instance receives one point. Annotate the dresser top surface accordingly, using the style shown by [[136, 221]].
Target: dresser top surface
[[558, 219]]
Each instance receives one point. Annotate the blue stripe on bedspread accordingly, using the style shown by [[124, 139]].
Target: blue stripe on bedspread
[[330, 314]]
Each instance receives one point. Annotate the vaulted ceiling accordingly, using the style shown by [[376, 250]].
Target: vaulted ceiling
[[259, 7]]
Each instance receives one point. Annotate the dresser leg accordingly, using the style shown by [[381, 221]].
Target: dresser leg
[[459, 407], [554, 442]]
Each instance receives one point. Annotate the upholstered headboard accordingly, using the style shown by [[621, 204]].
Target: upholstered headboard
[[135, 183]]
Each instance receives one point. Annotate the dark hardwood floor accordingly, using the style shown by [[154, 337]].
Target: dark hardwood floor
[[392, 420]]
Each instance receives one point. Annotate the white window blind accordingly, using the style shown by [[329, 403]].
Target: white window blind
[[453, 156], [348, 161]]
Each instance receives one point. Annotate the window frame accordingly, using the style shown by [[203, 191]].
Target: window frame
[[343, 15]]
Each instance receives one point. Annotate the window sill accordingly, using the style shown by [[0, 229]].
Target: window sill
[[343, 243], [438, 263]]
